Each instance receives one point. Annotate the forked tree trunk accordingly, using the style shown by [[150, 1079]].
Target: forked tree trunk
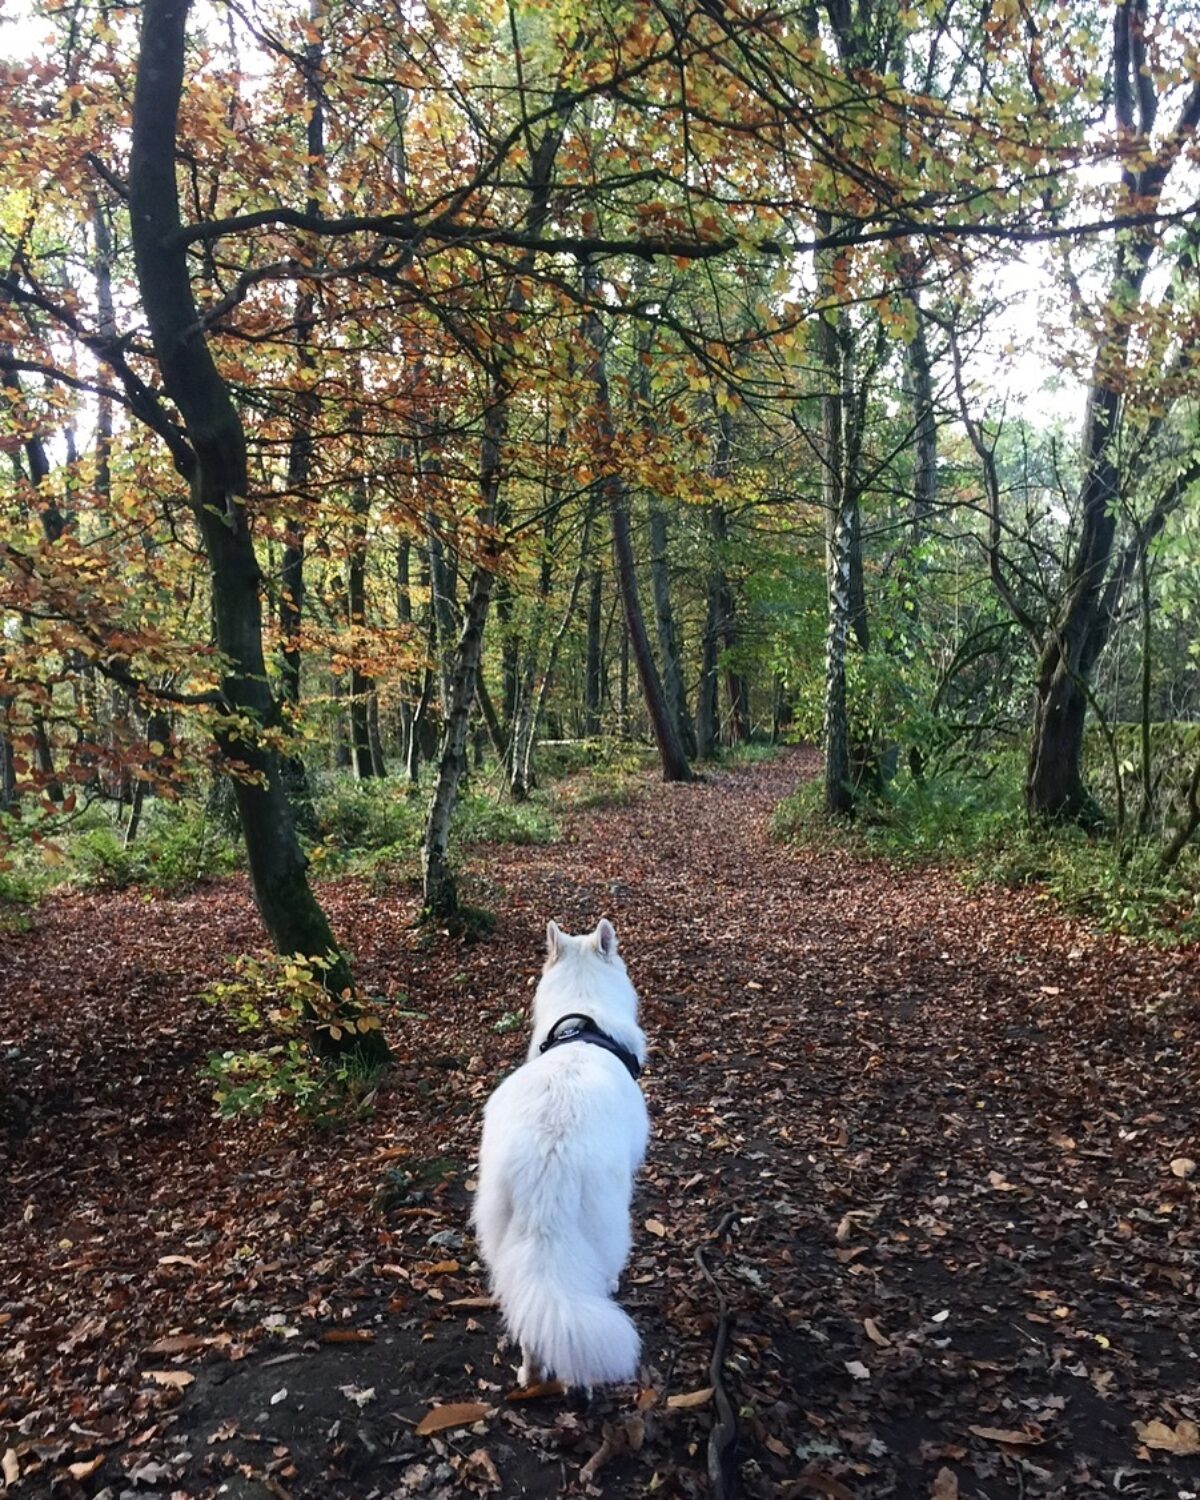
[[674, 762], [668, 632], [593, 687], [212, 459]]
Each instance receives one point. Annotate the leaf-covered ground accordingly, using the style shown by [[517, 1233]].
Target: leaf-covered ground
[[947, 1136]]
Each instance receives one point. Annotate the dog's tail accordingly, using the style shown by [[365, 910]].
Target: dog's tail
[[580, 1337]]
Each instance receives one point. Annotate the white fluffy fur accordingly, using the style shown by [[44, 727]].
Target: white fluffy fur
[[563, 1137]]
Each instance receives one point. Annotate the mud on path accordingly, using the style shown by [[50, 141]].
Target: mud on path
[[959, 1263]]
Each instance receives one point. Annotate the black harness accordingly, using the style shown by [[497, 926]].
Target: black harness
[[587, 1031]]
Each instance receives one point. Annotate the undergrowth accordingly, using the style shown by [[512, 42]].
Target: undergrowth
[[978, 826]]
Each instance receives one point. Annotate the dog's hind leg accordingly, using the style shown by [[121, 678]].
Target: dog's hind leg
[[530, 1372]]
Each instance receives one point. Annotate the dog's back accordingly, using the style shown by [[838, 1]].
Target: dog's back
[[563, 1137]]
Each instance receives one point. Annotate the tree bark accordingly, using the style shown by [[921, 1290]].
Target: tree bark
[[1080, 623], [675, 765], [593, 688], [213, 461], [668, 634]]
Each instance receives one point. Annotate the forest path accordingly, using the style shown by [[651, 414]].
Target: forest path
[[944, 1121]]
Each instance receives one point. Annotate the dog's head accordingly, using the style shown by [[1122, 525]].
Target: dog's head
[[601, 944], [584, 973]]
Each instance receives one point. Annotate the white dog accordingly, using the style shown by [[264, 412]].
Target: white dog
[[563, 1137]]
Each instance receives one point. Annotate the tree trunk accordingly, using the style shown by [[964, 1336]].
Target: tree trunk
[[674, 762], [593, 687], [440, 887], [839, 793], [1080, 623], [708, 718], [362, 688], [668, 634], [213, 461]]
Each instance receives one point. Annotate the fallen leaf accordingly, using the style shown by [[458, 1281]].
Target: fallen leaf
[[626, 1436], [687, 1399], [471, 1302], [176, 1378], [876, 1334], [1183, 1439], [1016, 1435], [439, 1268], [10, 1467], [85, 1468], [857, 1369], [537, 1390], [656, 1226], [179, 1260], [1183, 1166], [457, 1414], [280, 1395], [178, 1343], [945, 1485], [822, 1484], [348, 1336]]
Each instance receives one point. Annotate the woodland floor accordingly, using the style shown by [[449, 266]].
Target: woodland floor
[[960, 1262]]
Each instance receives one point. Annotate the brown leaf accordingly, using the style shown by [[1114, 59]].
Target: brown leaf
[[471, 1302], [85, 1468], [457, 1414], [1007, 1435], [178, 1343], [177, 1379], [438, 1268], [537, 1390], [656, 1226], [822, 1484], [179, 1260], [626, 1436], [687, 1399], [10, 1467], [348, 1336], [1183, 1166], [876, 1334], [1183, 1439], [945, 1485]]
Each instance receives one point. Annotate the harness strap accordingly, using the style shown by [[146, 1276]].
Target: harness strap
[[588, 1031]]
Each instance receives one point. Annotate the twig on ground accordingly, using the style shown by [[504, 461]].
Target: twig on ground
[[722, 1439]]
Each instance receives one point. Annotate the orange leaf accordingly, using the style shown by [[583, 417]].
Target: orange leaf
[[1007, 1435], [347, 1336], [457, 1414], [537, 1390], [177, 1379], [687, 1399]]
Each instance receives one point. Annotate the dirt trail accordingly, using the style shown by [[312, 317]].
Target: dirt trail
[[944, 1123]]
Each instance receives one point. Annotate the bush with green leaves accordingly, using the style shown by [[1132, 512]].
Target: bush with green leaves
[[978, 824], [177, 846], [277, 1000]]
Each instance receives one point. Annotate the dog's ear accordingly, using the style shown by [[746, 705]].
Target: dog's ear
[[553, 943], [606, 939]]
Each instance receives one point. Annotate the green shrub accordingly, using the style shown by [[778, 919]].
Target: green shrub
[[273, 1000], [480, 819], [177, 846], [978, 825]]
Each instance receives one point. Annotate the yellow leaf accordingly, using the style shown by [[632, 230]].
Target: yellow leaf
[[686, 1400], [87, 1467], [1183, 1439], [656, 1226], [457, 1414], [1006, 1435], [174, 1379]]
